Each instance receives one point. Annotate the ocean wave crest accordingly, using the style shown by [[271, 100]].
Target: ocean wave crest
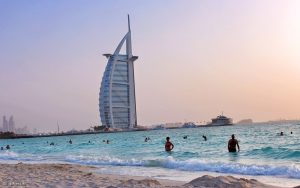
[[13, 156], [8, 155], [292, 171], [90, 160]]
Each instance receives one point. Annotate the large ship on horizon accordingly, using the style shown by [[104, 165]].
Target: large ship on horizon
[[221, 120]]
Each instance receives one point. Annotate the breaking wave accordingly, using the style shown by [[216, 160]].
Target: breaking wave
[[292, 171]]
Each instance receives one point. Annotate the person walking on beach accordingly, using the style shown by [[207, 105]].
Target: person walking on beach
[[168, 146], [232, 143]]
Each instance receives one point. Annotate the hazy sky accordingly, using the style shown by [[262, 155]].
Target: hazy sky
[[196, 59]]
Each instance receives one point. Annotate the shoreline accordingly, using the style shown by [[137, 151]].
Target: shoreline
[[73, 175]]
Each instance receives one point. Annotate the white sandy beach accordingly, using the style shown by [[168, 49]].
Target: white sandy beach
[[67, 175]]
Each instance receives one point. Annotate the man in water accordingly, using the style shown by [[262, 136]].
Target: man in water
[[70, 141], [204, 137], [281, 133], [168, 146], [232, 143]]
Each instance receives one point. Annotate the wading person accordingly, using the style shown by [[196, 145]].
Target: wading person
[[232, 143], [168, 146]]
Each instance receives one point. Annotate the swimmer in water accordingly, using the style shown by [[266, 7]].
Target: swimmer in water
[[168, 146]]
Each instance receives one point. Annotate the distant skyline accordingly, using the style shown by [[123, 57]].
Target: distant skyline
[[197, 59]]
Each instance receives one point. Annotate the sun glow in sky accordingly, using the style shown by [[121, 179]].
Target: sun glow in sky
[[196, 59]]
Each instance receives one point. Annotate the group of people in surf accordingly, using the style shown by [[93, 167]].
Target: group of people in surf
[[281, 133], [233, 144], [7, 147]]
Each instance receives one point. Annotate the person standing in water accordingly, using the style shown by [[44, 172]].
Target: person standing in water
[[232, 143], [168, 146], [281, 133]]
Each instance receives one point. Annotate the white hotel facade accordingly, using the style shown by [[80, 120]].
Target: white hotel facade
[[117, 102]]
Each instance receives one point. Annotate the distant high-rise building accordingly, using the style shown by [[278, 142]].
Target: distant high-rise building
[[11, 124], [5, 124], [117, 104]]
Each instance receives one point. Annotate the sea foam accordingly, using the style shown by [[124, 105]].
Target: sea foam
[[8, 155], [292, 171]]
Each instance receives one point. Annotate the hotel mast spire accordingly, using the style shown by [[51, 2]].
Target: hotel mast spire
[[128, 40], [128, 23]]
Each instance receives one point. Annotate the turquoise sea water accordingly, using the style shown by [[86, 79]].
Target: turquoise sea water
[[263, 151]]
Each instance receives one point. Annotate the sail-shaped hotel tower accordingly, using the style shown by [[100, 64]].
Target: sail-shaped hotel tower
[[117, 104]]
